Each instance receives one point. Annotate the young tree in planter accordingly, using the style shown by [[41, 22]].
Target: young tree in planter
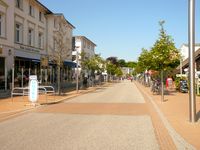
[[165, 56], [61, 50]]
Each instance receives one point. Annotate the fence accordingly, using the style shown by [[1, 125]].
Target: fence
[[24, 91]]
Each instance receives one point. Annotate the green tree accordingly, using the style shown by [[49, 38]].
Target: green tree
[[144, 61], [118, 72], [61, 50], [165, 55], [111, 68], [122, 63], [131, 64], [96, 63]]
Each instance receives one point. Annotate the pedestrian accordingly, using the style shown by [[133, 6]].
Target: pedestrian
[[169, 83]]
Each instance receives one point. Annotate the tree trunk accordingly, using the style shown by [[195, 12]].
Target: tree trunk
[[58, 77], [162, 87]]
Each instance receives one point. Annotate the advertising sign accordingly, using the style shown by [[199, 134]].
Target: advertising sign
[[33, 88]]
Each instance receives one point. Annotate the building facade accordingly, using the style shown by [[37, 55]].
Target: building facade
[[184, 50], [83, 46], [83, 49], [26, 35]]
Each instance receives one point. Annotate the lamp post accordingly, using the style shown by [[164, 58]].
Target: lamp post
[[77, 71], [191, 37]]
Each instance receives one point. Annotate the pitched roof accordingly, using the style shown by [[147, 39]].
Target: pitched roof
[[83, 37]]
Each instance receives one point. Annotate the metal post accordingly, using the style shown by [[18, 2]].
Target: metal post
[[162, 87], [29, 72], [181, 65], [5, 76], [191, 37], [36, 71], [46, 76], [41, 71], [13, 77], [53, 74], [77, 71], [22, 77]]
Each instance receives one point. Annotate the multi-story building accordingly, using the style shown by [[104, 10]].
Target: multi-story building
[[26, 36], [83, 46]]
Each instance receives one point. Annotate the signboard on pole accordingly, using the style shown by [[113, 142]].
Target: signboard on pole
[[33, 88]]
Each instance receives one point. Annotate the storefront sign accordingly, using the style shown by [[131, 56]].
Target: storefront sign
[[30, 49], [33, 88], [44, 61]]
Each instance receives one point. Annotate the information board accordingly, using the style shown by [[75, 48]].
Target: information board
[[33, 88]]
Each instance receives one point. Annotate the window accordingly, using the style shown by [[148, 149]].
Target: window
[[30, 37], [31, 10], [1, 22], [54, 44], [40, 40], [84, 44], [41, 16], [18, 33], [2, 25], [18, 4], [56, 23]]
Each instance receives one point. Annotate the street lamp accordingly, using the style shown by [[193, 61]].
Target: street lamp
[[191, 38], [77, 71]]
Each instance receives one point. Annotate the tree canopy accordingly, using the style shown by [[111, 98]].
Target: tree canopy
[[162, 56]]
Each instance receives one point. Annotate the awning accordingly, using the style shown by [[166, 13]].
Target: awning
[[29, 59], [70, 64]]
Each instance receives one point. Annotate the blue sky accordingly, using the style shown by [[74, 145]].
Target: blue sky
[[122, 28]]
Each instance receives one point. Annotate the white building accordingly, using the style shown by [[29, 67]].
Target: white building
[[26, 35], [127, 71], [83, 45], [184, 50]]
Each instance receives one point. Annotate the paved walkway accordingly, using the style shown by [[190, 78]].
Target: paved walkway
[[174, 108], [93, 121], [10, 108]]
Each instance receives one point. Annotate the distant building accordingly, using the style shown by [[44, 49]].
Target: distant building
[[84, 47], [184, 50], [184, 62], [127, 70]]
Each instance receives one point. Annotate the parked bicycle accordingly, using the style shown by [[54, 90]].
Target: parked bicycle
[[156, 87]]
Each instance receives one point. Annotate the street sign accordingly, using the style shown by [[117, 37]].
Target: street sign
[[33, 88]]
